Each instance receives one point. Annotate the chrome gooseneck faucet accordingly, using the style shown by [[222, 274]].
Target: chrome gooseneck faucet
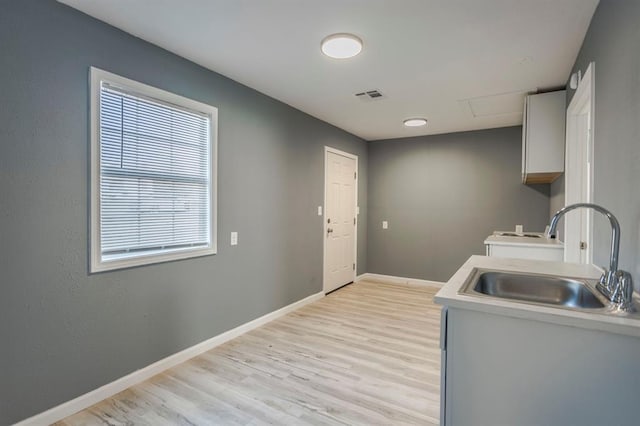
[[614, 284]]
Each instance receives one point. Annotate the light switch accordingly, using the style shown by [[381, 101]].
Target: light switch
[[385, 224], [357, 210], [234, 238], [319, 210]]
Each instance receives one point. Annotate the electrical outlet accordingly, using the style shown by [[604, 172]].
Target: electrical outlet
[[234, 238]]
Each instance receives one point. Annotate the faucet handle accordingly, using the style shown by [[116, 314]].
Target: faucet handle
[[623, 291], [604, 283], [603, 277]]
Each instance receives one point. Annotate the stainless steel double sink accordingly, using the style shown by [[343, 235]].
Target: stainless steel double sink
[[533, 288]]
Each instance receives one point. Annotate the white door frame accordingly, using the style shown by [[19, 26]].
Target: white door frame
[[583, 102], [328, 149]]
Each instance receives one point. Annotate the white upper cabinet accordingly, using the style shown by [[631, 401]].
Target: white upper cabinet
[[543, 134]]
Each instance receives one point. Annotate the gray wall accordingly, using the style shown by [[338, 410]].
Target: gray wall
[[64, 332], [612, 42], [556, 200], [442, 196]]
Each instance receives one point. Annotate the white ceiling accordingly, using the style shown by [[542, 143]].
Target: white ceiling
[[445, 60]]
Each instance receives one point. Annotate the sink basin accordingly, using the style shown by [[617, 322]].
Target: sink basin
[[540, 289], [513, 234]]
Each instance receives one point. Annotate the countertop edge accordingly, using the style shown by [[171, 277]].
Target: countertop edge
[[523, 242]]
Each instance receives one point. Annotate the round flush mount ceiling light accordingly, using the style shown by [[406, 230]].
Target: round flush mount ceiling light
[[341, 46], [415, 122]]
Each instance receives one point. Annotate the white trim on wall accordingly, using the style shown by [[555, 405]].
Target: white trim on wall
[[87, 400], [398, 280], [328, 149], [578, 225]]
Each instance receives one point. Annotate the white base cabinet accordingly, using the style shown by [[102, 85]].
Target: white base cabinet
[[501, 370]]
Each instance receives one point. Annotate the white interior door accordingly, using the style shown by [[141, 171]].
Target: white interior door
[[339, 219], [579, 172]]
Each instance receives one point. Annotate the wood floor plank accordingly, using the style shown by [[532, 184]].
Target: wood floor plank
[[367, 354]]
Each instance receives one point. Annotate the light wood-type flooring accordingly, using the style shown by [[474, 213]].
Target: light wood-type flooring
[[367, 354]]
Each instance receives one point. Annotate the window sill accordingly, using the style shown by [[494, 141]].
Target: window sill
[[115, 262]]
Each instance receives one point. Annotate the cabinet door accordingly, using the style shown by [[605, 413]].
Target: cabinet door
[[545, 132], [555, 254], [503, 370]]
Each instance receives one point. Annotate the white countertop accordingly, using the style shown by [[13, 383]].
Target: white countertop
[[524, 241], [448, 295]]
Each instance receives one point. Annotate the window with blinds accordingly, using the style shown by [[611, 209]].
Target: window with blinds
[[153, 186]]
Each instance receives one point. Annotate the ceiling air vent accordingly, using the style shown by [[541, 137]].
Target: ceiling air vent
[[370, 95]]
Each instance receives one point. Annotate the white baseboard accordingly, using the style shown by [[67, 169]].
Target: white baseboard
[[87, 400], [398, 280]]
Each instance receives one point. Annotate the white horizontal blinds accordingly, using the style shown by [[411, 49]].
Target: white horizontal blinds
[[154, 175]]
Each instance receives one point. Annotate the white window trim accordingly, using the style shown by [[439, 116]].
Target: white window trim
[[96, 77]]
